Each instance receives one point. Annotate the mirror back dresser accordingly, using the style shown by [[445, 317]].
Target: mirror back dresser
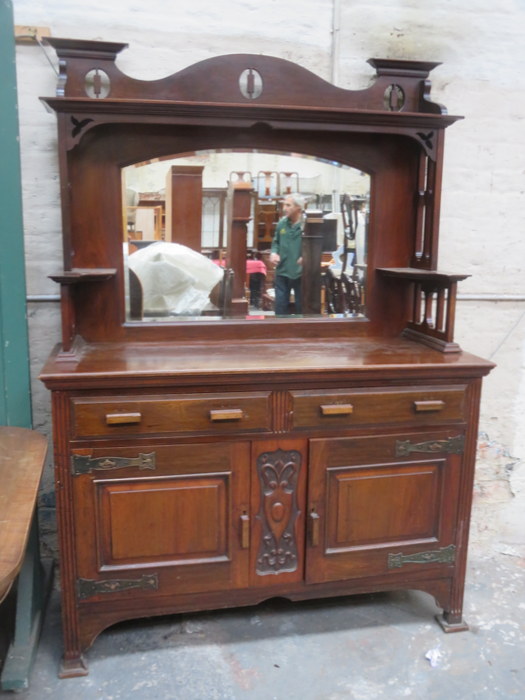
[[222, 460]]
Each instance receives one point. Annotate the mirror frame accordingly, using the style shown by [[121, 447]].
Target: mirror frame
[[400, 145]]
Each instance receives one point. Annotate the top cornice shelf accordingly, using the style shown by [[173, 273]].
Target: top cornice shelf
[[89, 76]]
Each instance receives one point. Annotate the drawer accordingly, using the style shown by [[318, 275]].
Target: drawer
[[339, 408], [182, 413]]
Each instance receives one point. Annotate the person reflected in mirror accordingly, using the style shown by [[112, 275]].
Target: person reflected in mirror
[[286, 254]]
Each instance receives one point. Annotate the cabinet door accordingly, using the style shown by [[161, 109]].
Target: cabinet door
[[165, 518], [382, 505]]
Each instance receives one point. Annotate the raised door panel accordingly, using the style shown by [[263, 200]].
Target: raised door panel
[[167, 528], [172, 527], [382, 505]]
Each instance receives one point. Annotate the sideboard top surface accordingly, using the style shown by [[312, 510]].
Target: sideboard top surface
[[150, 364]]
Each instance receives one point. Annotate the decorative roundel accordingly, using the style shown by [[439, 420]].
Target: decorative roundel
[[97, 83], [394, 98], [250, 84]]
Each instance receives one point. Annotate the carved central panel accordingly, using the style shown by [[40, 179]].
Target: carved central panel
[[278, 473]]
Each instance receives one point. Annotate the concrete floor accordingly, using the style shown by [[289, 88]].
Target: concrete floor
[[353, 648]]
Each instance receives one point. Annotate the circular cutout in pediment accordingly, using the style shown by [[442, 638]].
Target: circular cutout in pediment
[[250, 84]]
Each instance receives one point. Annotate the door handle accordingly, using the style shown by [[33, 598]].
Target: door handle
[[245, 531], [314, 527]]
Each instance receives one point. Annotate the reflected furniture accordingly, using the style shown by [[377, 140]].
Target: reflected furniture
[[214, 210], [147, 223], [184, 205], [266, 215], [221, 462]]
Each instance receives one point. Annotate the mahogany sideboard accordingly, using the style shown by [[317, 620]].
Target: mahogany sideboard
[[206, 463]]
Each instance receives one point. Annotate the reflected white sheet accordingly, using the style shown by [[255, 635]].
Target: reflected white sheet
[[175, 279]]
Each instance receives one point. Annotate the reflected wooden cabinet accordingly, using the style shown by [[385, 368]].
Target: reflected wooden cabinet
[[221, 462], [266, 216], [184, 205]]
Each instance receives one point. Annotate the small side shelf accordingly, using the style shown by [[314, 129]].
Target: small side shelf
[[68, 279], [78, 275], [433, 308]]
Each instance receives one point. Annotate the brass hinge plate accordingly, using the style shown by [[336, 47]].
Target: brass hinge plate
[[453, 445], [86, 588], [80, 464], [445, 555]]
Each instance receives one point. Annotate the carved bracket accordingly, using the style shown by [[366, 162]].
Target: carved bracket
[[77, 127], [445, 555], [427, 139], [80, 464], [278, 472]]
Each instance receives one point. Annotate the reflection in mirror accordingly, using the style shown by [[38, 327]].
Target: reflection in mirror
[[200, 230]]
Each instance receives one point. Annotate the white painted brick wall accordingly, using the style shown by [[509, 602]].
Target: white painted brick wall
[[482, 77]]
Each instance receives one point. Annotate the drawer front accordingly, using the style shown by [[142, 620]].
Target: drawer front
[[177, 414], [340, 408]]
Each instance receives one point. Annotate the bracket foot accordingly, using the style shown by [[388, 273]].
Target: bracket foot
[[73, 668], [448, 627]]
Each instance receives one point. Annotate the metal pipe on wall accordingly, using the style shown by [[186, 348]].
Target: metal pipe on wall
[[39, 298]]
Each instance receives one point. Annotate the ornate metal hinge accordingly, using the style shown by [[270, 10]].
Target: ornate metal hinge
[[452, 445], [89, 587], [85, 465], [445, 555]]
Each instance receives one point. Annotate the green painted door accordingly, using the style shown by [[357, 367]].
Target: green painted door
[[15, 399]]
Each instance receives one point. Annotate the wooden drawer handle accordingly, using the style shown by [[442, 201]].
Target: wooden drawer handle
[[226, 414], [427, 406], [337, 409], [123, 418]]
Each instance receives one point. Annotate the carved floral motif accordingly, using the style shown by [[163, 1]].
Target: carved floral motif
[[277, 472]]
